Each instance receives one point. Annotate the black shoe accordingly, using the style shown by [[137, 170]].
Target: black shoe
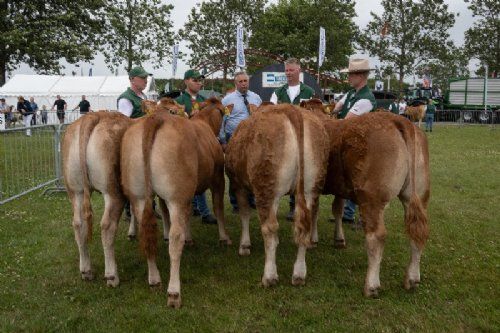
[[290, 215], [209, 219], [347, 221], [196, 212]]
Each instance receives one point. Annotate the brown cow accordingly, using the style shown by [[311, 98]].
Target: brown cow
[[175, 158], [416, 113], [280, 150], [373, 159], [90, 151]]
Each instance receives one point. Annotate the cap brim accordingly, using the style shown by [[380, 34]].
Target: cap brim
[[199, 77]]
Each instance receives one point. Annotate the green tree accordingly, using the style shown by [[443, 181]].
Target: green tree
[[211, 31], [290, 28], [483, 39], [408, 34], [137, 31], [41, 32]]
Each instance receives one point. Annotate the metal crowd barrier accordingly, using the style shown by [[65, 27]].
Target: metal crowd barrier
[[15, 120], [463, 117], [28, 163]]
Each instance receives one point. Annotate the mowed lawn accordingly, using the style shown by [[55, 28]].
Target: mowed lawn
[[41, 289]]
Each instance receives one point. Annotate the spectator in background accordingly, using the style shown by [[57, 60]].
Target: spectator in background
[[402, 107], [4, 109], [61, 108], [429, 115], [34, 108], [394, 107], [84, 106], [44, 114], [24, 107]]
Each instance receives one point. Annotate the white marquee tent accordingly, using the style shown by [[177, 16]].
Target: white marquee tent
[[101, 91]]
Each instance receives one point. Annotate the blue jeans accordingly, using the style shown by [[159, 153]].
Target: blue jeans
[[200, 202], [349, 210], [429, 119]]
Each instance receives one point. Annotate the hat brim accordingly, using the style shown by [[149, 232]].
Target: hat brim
[[346, 71]]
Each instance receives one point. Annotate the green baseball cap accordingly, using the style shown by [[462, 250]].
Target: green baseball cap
[[192, 74], [138, 71]]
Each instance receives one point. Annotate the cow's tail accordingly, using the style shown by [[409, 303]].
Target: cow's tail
[[303, 215], [149, 227], [416, 216], [86, 127]]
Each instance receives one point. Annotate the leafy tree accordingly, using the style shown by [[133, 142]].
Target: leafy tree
[[41, 32], [137, 31], [211, 31], [483, 39], [408, 34], [290, 28]]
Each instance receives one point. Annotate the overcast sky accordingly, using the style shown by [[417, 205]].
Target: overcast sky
[[183, 7]]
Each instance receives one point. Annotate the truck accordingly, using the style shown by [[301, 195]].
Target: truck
[[477, 99]]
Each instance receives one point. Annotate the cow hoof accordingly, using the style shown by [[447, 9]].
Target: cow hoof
[[189, 242], [411, 284], [298, 281], [269, 282], [155, 285], [112, 281], [87, 276], [244, 250], [174, 300], [225, 242], [371, 292], [132, 237], [313, 245], [340, 244]]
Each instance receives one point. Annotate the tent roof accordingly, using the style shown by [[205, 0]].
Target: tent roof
[[51, 85]]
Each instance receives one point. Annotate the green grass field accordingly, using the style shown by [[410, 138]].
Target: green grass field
[[41, 289]]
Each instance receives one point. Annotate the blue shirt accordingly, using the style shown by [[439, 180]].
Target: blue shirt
[[239, 113]]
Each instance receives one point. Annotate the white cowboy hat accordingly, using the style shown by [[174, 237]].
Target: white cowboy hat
[[357, 66]]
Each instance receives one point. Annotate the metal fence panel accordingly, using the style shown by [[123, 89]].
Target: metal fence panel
[[30, 162]]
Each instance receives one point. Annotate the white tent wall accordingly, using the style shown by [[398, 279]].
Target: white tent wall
[[101, 91]]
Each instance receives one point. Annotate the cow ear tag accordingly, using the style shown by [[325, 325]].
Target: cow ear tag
[[226, 111], [327, 110]]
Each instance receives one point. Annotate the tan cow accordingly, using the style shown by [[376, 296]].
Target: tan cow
[[416, 113], [280, 149], [174, 158], [373, 159], [90, 151]]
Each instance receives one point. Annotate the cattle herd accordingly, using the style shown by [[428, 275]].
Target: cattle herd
[[280, 149]]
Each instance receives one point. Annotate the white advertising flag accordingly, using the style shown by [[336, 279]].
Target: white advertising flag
[[322, 46], [240, 48], [175, 54]]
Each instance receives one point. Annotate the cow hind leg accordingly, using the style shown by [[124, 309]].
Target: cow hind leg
[[373, 219], [314, 227], [165, 217], [113, 207], [338, 211], [269, 229], [244, 212], [179, 218], [218, 204], [154, 278], [417, 241], [81, 230]]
